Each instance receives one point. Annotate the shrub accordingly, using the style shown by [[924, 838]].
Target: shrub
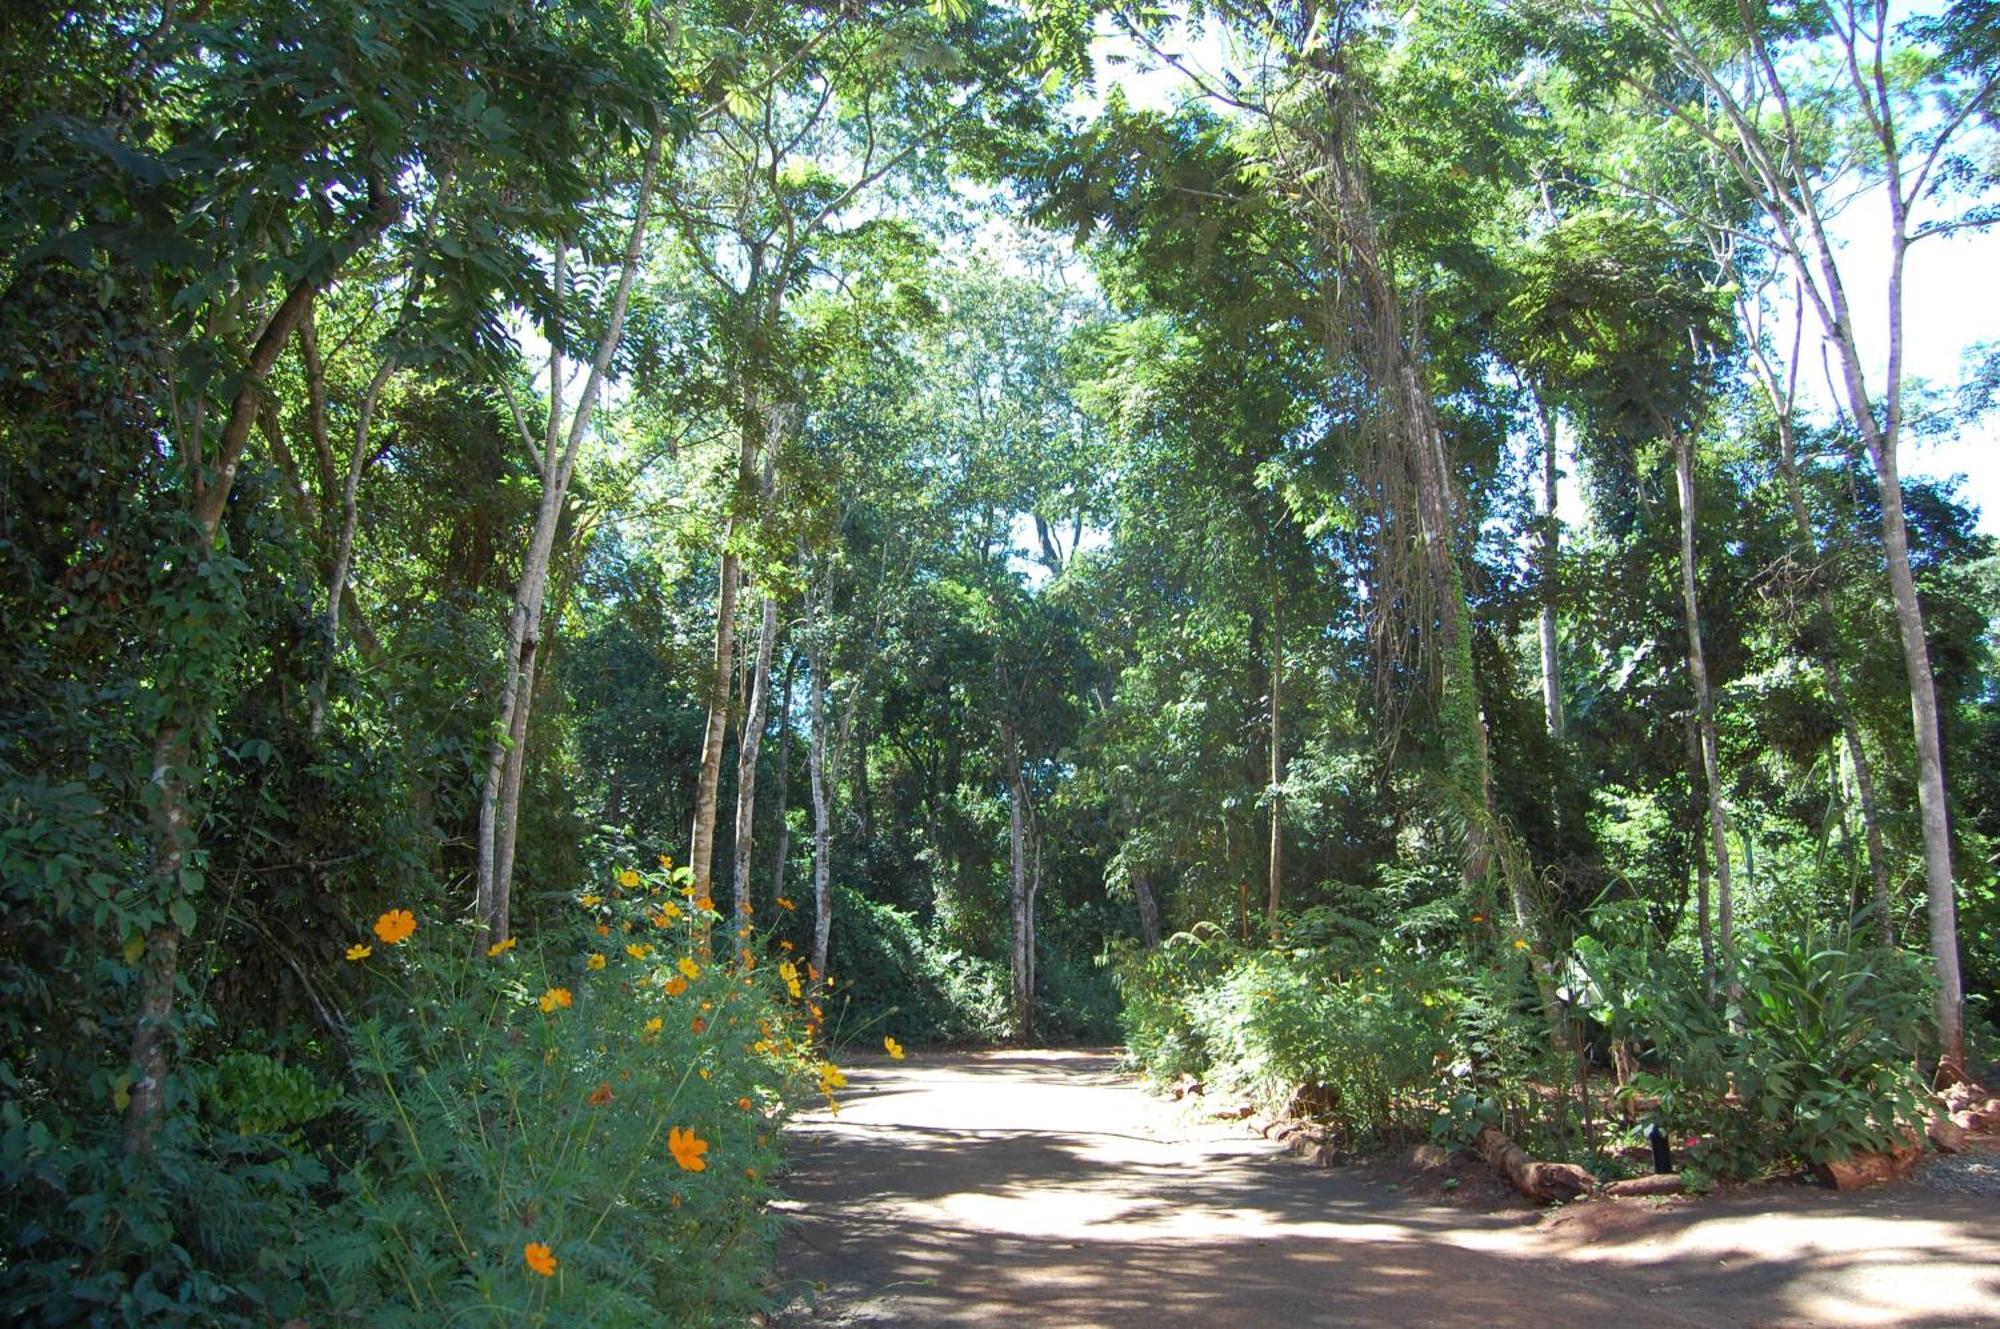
[[1815, 1062], [584, 1132], [891, 977]]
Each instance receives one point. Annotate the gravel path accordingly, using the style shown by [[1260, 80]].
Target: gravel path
[[1043, 1188]]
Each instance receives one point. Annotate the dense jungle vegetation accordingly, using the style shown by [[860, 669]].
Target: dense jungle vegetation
[[565, 562]]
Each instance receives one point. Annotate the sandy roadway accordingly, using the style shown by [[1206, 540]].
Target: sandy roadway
[[1043, 1188]]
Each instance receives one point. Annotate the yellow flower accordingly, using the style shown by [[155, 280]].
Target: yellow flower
[[540, 1259], [359, 952], [687, 1149], [1520, 945], [638, 950], [590, 901], [786, 905], [675, 986], [689, 968], [666, 862], [500, 948], [595, 961], [707, 1074], [554, 998], [395, 926], [628, 878], [830, 1078], [894, 1048], [653, 1026], [784, 945], [669, 911]]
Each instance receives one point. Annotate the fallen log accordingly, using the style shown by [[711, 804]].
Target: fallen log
[[1659, 1183], [1546, 1182]]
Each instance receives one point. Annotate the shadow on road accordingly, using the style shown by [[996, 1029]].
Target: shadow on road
[[1042, 1188]]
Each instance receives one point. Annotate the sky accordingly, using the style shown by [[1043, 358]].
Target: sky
[[1951, 296]]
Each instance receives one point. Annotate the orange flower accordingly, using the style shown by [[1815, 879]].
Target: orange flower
[[706, 902], [669, 911], [359, 952], [395, 926], [687, 1149], [743, 1103], [784, 945], [540, 1259], [699, 1024], [553, 998], [786, 905], [600, 1095], [675, 986], [603, 929], [500, 948]]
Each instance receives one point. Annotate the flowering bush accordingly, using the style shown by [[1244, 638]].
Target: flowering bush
[[579, 1128]]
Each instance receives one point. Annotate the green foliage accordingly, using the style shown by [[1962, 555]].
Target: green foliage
[[1349, 1034], [1815, 1062], [536, 1098], [890, 977]]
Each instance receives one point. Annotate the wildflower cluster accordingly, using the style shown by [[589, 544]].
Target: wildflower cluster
[[608, 1112]]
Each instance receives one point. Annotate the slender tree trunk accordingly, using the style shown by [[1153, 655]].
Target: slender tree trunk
[[1704, 928], [784, 845], [822, 796], [1149, 910], [1551, 551], [1017, 891], [701, 852], [506, 757], [1704, 707], [748, 746], [1276, 874], [171, 818], [343, 554]]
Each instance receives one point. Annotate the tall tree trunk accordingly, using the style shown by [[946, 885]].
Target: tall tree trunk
[[1550, 583], [1704, 708], [507, 754], [701, 852], [784, 845], [822, 797], [1019, 951], [1276, 873], [1704, 927], [748, 745], [1149, 909], [171, 818]]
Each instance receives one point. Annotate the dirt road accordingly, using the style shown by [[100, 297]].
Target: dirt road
[[1043, 1188]]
